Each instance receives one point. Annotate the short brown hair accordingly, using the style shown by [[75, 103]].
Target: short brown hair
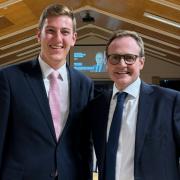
[[126, 33], [57, 10]]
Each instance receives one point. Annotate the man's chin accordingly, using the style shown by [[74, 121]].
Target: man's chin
[[57, 58], [122, 82]]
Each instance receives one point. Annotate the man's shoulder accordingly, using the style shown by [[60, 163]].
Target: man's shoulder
[[18, 65], [79, 75], [19, 68], [158, 90], [102, 96]]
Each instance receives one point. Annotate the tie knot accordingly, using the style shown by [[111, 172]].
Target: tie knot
[[54, 75], [121, 96]]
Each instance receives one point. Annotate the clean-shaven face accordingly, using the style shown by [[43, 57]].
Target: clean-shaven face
[[56, 38], [123, 74]]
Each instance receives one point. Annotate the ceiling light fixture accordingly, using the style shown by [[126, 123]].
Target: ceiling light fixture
[[88, 18], [161, 19]]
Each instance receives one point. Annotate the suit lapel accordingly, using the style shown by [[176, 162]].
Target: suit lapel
[[105, 115], [35, 80], [74, 89], [145, 106]]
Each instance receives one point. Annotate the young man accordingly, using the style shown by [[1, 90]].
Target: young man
[[147, 147], [32, 145]]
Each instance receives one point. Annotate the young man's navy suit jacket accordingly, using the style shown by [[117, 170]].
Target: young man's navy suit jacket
[[28, 146]]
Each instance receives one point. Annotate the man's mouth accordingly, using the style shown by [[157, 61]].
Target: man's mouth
[[56, 46], [121, 72]]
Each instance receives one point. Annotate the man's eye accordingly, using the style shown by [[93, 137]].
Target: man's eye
[[50, 30], [65, 32], [128, 57], [116, 57]]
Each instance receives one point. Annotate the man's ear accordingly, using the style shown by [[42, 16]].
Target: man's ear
[[142, 61], [74, 38], [38, 35]]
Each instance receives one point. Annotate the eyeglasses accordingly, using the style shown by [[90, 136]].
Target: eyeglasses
[[115, 59]]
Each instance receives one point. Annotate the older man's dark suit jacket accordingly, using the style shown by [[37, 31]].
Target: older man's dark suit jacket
[[157, 144], [28, 146]]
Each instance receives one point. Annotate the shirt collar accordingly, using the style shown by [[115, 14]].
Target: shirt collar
[[47, 70], [133, 89]]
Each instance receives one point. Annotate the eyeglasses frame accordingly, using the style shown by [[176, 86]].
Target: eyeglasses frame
[[122, 56]]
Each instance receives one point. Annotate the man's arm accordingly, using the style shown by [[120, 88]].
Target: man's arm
[[4, 111], [177, 123], [87, 149]]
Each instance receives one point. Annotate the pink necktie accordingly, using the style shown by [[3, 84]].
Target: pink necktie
[[54, 98]]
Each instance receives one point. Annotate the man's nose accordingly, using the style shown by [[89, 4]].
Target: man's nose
[[59, 36]]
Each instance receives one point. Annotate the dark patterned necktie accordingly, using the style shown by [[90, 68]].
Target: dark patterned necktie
[[113, 139]]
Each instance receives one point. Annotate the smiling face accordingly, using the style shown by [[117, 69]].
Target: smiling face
[[56, 38], [123, 74]]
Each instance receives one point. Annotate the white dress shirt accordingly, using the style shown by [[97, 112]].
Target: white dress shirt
[[63, 87], [126, 146]]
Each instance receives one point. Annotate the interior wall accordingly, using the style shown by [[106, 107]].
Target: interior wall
[[158, 68], [153, 67]]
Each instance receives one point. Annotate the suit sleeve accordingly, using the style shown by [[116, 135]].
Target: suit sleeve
[[87, 149], [4, 111], [177, 122]]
